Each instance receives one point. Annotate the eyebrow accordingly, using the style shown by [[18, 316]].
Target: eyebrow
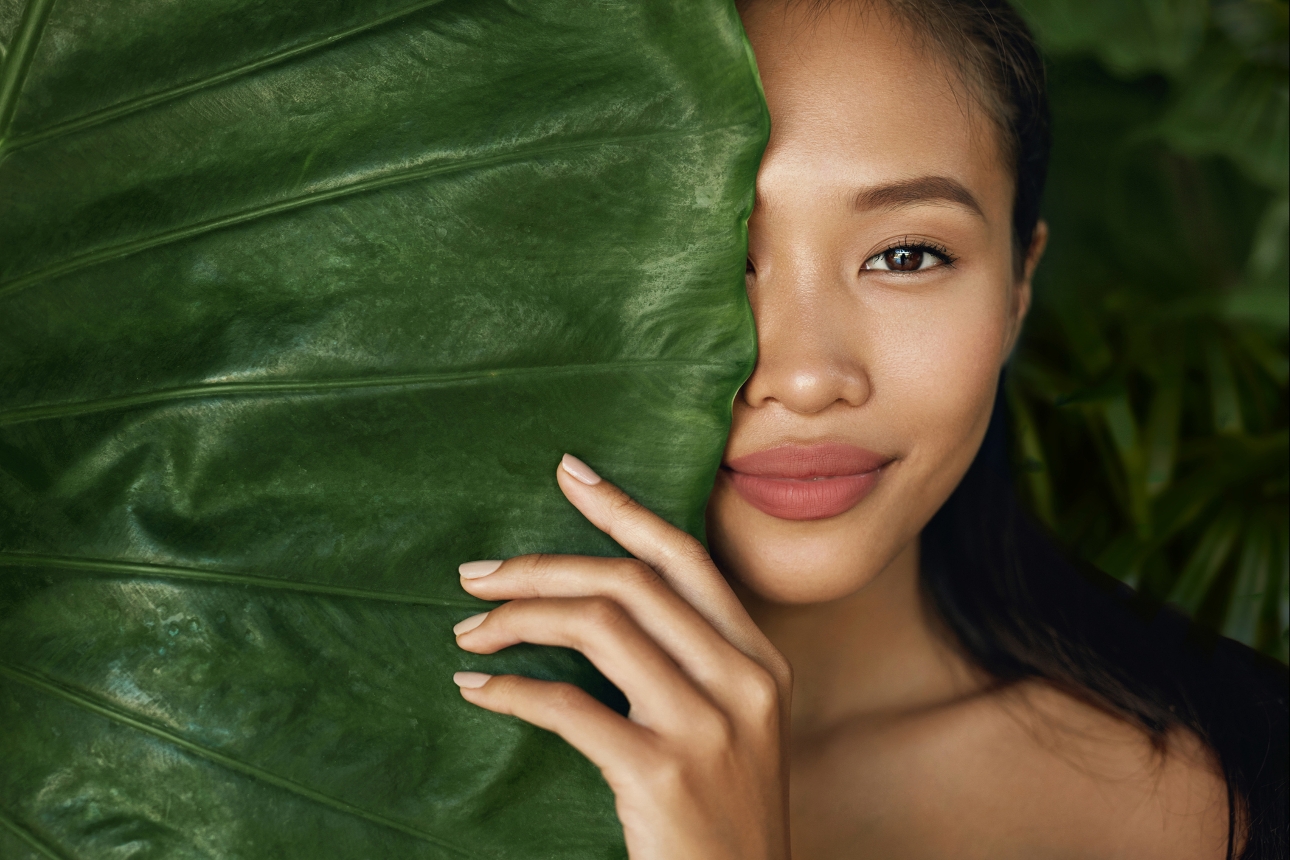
[[910, 192]]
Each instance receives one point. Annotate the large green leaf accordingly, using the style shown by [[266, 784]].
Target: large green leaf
[[300, 304]]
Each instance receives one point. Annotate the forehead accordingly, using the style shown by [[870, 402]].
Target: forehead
[[858, 98]]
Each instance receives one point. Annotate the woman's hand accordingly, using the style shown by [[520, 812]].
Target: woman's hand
[[697, 767]]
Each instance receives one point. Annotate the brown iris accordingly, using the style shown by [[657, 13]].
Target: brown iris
[[903, 259]]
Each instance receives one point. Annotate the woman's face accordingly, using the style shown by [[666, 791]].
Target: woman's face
[[881, 280]]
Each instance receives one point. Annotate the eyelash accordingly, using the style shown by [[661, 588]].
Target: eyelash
[[938, 251]]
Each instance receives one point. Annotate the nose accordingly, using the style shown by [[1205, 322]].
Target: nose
[[809, 343]]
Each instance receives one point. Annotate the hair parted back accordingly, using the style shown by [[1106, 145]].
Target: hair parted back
[[1011, 598], [994, 56], [996, 60]]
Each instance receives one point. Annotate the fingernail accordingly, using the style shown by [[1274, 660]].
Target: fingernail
[[579, 470], [468, 624], [477, 569], [470, 680]]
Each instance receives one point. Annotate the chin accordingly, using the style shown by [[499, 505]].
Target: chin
[[797, 562]]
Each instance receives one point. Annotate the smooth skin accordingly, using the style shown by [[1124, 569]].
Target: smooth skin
[[804, 655]]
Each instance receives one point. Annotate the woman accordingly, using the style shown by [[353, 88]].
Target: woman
[[875, 626]]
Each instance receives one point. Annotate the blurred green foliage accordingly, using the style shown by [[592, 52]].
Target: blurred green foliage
[[1149, 394]]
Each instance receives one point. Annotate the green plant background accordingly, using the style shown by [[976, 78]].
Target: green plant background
[[1149, 393]]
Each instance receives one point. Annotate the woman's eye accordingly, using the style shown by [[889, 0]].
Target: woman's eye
[[911, 259]]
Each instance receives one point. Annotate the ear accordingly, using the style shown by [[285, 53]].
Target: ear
[[1022, 293]]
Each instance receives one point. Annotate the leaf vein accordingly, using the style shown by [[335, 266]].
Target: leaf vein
[[170, 571], [310, 387], [126, 108], [373, 183], [14, 73], [10, 824], [119, 715]]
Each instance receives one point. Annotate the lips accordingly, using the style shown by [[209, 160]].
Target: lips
[[805, 482]]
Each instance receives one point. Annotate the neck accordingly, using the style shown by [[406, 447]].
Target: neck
[[877, 652]]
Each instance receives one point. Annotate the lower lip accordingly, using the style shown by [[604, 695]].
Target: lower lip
[[803, 498]]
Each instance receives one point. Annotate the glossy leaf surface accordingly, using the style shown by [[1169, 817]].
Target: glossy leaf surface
[[300, 303]]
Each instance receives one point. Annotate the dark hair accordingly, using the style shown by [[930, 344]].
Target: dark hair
[[1014, 601], [1010, 596], [994, 55], [1021, 608]]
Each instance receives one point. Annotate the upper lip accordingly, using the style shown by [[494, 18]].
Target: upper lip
[[800, 462]]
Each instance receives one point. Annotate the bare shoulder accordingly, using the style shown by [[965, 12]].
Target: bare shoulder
[[1024, 772], [1105, 783]]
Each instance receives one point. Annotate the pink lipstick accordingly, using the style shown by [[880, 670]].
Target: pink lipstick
[[808, 482]]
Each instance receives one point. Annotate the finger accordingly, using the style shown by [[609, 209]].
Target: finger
[[637, 529], [679, 558], [676, 626], [609, 741], [660, 695]]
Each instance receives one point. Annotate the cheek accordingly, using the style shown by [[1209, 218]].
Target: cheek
[[934, 365], [934, 362]]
